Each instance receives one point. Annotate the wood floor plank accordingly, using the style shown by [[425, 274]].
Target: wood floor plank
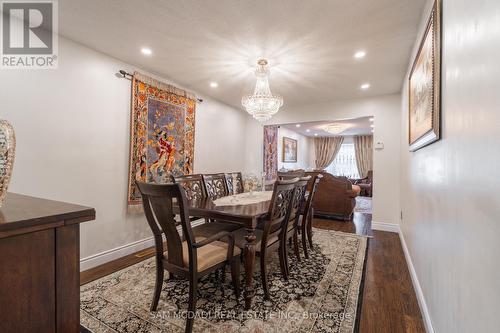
[[389, 301]]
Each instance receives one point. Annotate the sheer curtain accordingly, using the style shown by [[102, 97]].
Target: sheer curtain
[[344, 163]]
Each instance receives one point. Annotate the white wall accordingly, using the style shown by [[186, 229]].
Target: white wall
[[72, 128], [304, 150], [387, 113], [449, 190]]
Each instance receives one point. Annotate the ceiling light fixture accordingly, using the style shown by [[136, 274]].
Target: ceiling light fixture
[[308, 130], [146, 51], [214, 84], [298, 125], [336, 128], [371, 119], [372, 126], [365, 86], [315, 134], [262, 105], [360, 54]]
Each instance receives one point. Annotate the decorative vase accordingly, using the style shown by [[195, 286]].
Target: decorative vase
[[250, 183], [7, 153]]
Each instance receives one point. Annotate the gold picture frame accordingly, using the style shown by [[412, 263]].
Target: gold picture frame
[[424, 86], [289, 150]]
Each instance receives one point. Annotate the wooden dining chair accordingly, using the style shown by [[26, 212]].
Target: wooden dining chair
[[192, 185], [292, 227], [188, 257], [307, 214], [215, 185], [234, 183], [195, 189], [268, 239]]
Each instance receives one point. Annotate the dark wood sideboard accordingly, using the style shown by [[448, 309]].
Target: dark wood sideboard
[[40, 264]]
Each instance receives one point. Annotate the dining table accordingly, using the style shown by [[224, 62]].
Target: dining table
[[245, 209]]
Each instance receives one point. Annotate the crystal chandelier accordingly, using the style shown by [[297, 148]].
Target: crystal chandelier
[[336, 128], [262, 105]]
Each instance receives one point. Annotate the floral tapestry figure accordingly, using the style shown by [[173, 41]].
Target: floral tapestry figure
[[162, 133]]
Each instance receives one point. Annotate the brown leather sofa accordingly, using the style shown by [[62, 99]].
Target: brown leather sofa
[[335, 196], [290, 174]]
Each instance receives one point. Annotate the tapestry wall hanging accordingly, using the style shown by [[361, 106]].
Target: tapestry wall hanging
[[162, 133], [271, 152], [424, 86]]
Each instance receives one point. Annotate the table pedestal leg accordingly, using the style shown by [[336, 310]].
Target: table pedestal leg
[[249, 264]]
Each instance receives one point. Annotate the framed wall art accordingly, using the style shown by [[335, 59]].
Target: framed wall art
[[424, 95], [289, 150]]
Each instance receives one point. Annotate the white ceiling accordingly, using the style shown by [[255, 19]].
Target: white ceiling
[[310, 44], [357, 126]]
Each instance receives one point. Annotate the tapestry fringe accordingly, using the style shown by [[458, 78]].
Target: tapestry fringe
[[135, 209], [164, 86]]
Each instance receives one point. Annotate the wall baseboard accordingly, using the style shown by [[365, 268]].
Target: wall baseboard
[[382, 226], [116, 253], [122, 251], [416, 286]]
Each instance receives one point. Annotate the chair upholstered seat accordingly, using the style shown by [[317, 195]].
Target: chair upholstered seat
[[240, 241], [211, 228], [209, 255]]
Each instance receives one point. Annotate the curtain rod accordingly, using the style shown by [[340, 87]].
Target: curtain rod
[[125, 75]]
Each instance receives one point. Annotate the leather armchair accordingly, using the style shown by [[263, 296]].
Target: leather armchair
[[366, 184], [335, 196]]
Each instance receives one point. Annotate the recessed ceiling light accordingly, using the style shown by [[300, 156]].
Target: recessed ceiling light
[[371, 120], [146, 51], [214, 84], [308, 130], [372, 126], [359, 54], [298, 125], [365, 86], [315, 134]]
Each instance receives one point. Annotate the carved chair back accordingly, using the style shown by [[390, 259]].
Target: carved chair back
[[215, 185], [279, 210], [299, 199], [313, 186], [193, 186], [234, 183], [158, 201]]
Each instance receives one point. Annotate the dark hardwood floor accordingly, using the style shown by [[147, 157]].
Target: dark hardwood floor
[[389, 301], [115, 265]]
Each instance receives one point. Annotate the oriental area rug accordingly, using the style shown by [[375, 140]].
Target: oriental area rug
[[363, 205], [321, 295]]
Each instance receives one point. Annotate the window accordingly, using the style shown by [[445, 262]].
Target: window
[[344, 163]]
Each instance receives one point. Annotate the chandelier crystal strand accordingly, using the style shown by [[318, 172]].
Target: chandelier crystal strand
[[262, 105]]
